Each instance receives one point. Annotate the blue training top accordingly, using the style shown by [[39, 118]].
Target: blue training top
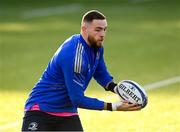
[[62, 85]]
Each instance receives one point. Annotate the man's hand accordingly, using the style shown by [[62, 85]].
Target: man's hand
[[126, 106], [122, 106]]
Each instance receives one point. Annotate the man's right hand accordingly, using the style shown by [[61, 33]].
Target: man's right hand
[[125, 106]]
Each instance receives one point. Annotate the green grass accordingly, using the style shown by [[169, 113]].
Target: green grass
[[161, 114], [142, 44]]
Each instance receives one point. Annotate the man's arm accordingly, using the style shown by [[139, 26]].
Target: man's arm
[[75, 81], [103, 77]]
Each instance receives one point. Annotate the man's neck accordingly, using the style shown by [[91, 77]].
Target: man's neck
[[85, 38]]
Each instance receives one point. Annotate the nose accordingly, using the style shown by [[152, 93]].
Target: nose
[[103, 33]]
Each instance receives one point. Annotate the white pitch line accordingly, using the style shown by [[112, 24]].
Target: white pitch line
[[162, 83], [51, 11], [10, 125], [147, 87]]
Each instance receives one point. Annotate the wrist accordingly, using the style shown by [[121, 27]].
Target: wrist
[[116, 105], [112, 106], [111, 87], [108, 106]]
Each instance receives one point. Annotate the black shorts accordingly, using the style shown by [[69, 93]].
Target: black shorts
[[41, 121]]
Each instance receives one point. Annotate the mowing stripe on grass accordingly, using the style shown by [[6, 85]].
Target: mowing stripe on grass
[[147, 87], [40, 12], [139, 1]]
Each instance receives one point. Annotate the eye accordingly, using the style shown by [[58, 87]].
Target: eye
[[97, 30], [105, 29]]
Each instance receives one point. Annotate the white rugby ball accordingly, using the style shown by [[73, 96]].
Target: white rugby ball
[[132, 92]]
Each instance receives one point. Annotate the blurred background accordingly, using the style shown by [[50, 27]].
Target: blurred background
[[142, 44]]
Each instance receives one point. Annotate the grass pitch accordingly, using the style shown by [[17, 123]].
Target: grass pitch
[[161, 114]]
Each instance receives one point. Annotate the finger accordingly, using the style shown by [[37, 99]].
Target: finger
[[136, 108], [131, 105], [126, 102]]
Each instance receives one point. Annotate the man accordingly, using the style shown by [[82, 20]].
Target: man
[[53, 102]]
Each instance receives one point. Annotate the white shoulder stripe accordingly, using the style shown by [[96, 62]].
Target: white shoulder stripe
[[81, 58], [78, 58], [75, 63]]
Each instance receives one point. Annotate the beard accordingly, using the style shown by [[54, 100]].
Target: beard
[[94, 43]]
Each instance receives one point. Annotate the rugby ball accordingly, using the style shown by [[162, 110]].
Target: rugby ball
[[132, 92]]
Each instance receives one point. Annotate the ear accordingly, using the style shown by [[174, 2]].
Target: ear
[[83, 28]]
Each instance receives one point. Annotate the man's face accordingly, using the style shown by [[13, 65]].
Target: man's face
[[96, 31]]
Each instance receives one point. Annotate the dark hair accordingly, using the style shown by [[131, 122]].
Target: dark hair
[[91, 15]]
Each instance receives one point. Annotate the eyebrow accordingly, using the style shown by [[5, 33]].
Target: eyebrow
[[101, 28]]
